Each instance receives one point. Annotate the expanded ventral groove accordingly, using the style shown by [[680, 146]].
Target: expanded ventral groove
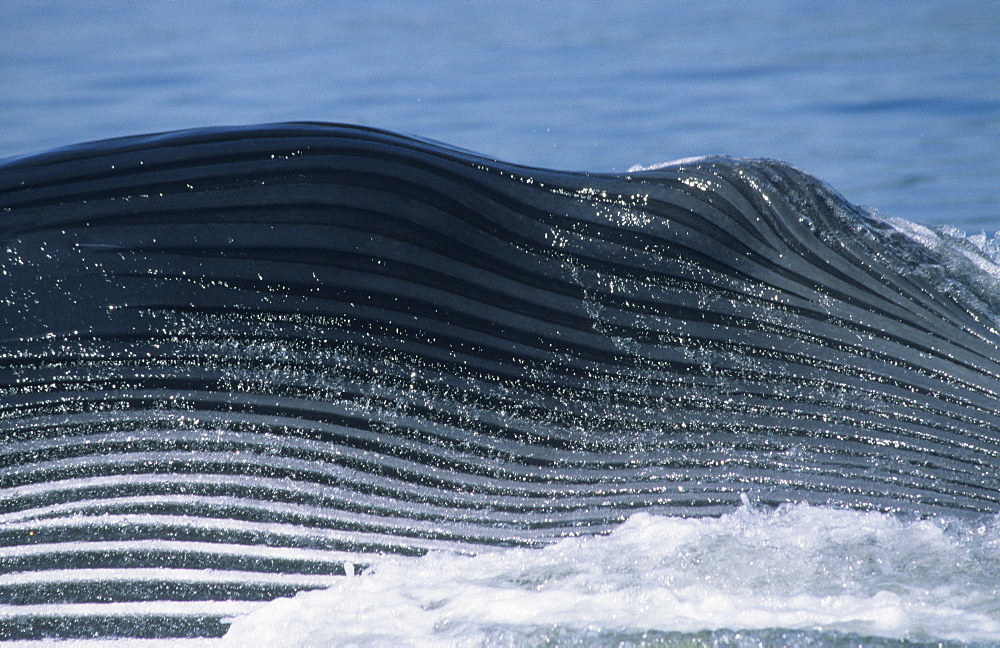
[[233, 361]]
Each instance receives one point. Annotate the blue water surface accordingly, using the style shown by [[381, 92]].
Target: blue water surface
[[896, 103]]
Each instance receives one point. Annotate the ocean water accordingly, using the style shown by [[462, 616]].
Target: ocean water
[[895, 104], [796, 576]]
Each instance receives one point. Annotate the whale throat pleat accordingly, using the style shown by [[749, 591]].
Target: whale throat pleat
[[236, 364]]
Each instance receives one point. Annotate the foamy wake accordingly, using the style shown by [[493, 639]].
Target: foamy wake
[[798, 568]]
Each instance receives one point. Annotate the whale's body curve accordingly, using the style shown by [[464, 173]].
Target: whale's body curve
[[233, 362]]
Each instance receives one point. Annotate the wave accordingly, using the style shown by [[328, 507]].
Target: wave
[[794, 576], [239, 363]]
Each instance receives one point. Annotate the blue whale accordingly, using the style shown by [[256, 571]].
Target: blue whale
[[235, 362]]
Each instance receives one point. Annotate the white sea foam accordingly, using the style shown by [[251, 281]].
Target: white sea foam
[[959, 264], [979, 250], [662, 165], [823, 572]]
